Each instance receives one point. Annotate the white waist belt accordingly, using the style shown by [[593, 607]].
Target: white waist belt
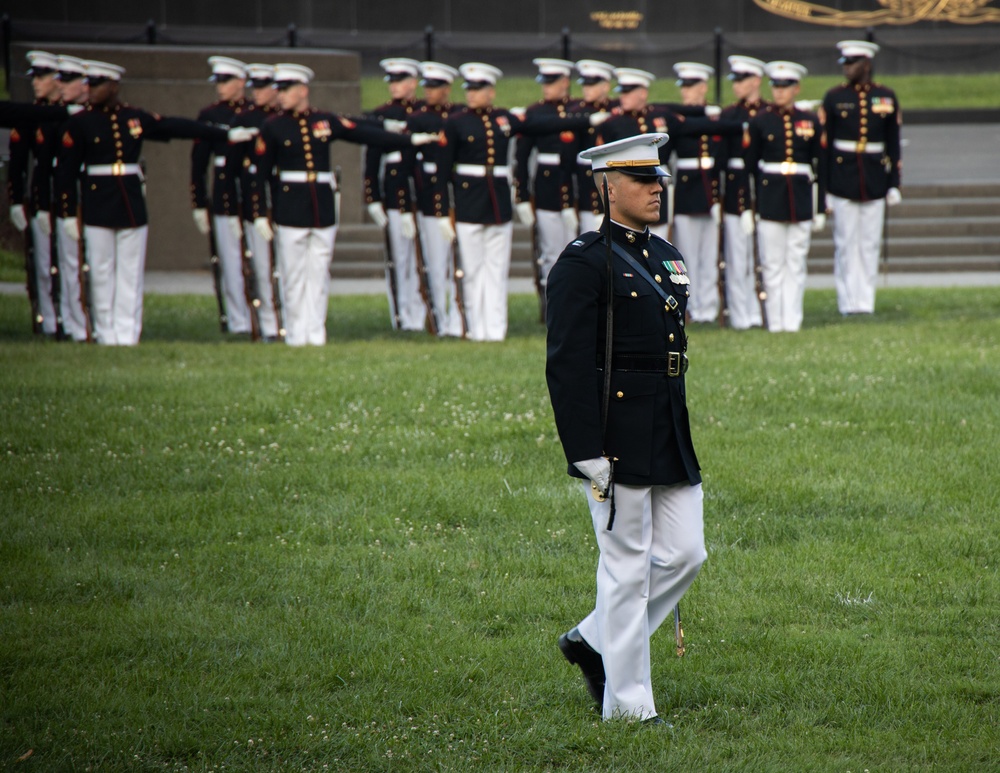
[[430, 167], [548, 159], [478, 170], [306, 177], [220, 161], [850, 146], [396, 157], [113, 170], [704, 162], [736, 163], [785, 167]]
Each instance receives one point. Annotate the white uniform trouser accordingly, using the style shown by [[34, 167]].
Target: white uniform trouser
[[227, 242], [485, 257], [783, 251], [70, 291], [439, 259], [260, 257], [741, 290], [411, 309], [117, 260], [553, 236], [43, 277], [697, 238], [590, 221], [647, 562], [304, 256], [857, 247]]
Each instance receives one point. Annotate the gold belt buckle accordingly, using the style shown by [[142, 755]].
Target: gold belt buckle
[[861, 145], [706, 162], [788, 167], [310, 177], [118, 168], [673, 363]]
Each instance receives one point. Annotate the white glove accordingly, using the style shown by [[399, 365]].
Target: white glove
[[407, 225], [598, 470], [596, 119], [394, 126], [716, 213], [44, 222], [518, 112], [712, 111], [819, 222], [236, 227], [262, 226], [447, 229], [18, 218], [200, 216], [243, 133], [71, 228], [747, 222], [74, 109], [893, 197], [377, 213], [570, 219], [525, 213], [423, 138]]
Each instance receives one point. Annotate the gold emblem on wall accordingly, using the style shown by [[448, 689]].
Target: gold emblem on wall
[[617, 20], [896, 12]]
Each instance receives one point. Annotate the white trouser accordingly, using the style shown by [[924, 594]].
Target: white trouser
[[411, 309], [589, 221], [70, 290], [697, 238], [783, 251], [43, 278], [260, 257], [439, 259], [485, 258], [553, 236], [117, 260], [741, 290], [647, 562], [857, 247], [304, 256], [230, 249]]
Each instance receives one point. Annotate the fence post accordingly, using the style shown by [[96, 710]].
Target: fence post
[[566, 44], [151, 32], [429, 42], [293, 35], [5, 35], [718, 65]]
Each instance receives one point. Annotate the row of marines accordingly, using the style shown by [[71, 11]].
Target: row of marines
[[445, 182]]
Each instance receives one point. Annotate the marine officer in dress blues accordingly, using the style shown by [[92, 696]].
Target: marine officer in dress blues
[[785, 157], [292, 157], [629, 438], [389, 198], [595, 81], [745, 73], [221, 216], [862, 122]]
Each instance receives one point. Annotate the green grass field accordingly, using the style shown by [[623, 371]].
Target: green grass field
[[225, 556], [914, 91]]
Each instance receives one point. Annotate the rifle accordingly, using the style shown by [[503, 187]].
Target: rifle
[[276, 292], [885, 245], [390, 276], [723, 308], [609, 326], [458, 275], [250, 287], [422, 278], [86, 291], [56, 291], [31, 278], [217, 275], [536, 265], [758, 270]]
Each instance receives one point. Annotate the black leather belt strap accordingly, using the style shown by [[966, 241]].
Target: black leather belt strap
[[672, 363]]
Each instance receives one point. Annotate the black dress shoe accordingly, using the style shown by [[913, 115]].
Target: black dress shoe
[[591, 664], [657, 722]]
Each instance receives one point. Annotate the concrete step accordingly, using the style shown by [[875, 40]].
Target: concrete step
[[949, 190], [919, 265], [951, 206], [941, 248]]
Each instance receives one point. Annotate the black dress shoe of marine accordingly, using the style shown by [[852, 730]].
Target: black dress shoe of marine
[[589, 660], [658, 722]]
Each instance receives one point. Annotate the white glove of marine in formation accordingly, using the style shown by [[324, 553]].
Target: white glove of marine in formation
[[596, 119], [712, 111], [598, 470], [200, 217], [262, 226], [819, 222], [423, 138], [408, 225], [18, 218], [747, 222], [243, 133], [525, 212], [44, 222], [394, 126], [570, 219], [377, 213], [716, 213], [446, 228], [893, 197], [71, 228], [235, 227]]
